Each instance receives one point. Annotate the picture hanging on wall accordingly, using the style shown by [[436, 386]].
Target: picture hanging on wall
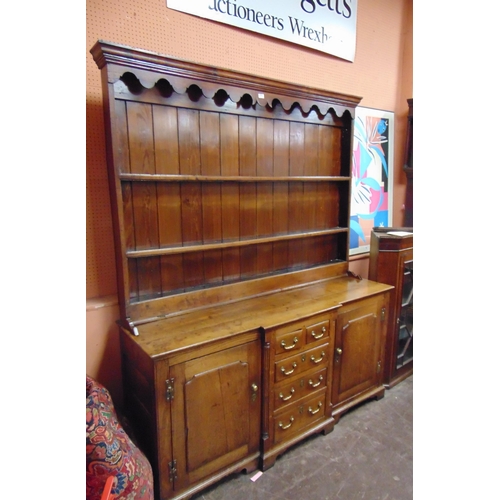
[[372, 176]]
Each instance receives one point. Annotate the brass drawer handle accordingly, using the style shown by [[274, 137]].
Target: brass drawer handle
[[313, 412], [284, 372], [312, 384], [288, 347], [283, 398], [316, 361], [317, 335], [285, 427]]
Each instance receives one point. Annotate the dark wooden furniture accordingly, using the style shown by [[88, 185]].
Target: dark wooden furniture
[[391, 262], [408, 168], [230, 197], [359, 352]]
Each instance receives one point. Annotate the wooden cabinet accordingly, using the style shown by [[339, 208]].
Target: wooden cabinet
[[298, 383], [198, 408], [230, 202], [215, 413], [391, 262], [359, 352]]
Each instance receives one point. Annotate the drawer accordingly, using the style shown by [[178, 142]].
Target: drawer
[[293, 336], [297, 417], [318, 331], [290, 392], [287, 368], [289, 341]]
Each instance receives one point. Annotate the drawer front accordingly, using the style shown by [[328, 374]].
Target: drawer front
[[294, 337], [290, 392], [318, 331], [289, 341], [297, 417], [312, 358]]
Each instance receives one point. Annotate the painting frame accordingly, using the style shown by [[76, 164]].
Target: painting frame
[[372, 176]]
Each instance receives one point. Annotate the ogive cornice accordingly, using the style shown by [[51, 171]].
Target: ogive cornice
[[149, 68]]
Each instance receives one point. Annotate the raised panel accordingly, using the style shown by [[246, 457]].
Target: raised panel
[[215, 417], [359, 354], [359, 345], [220, 395]]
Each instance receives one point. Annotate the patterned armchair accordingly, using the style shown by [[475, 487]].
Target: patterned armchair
[[111, 452]]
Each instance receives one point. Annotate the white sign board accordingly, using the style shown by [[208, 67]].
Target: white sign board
[[325, 25]]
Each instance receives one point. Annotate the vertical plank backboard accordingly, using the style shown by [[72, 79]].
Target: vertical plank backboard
[[248, 193], [191, 201], [211, 194], [229, 131], [166, 141], [140, 135], [265, 164], [310, 188], [297, 209], [121, 156], [280, 192]]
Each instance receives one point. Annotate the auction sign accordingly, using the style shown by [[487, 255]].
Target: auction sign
[[325, 25]]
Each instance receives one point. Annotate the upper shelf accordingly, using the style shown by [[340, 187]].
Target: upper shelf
[[228, 178], [223, 185]]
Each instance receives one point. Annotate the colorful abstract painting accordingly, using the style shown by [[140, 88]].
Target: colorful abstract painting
[[372, 176]]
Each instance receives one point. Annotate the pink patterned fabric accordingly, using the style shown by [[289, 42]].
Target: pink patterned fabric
[[110, 452]]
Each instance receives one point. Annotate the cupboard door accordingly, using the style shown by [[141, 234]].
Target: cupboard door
[[358, 353], [215, 412]]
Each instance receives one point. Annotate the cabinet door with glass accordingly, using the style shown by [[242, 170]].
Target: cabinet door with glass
[[391, 262], [404, 345]]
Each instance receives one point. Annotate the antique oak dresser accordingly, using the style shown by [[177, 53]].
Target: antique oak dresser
[[242, 329]]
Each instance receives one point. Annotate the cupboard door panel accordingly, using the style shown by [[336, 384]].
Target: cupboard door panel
[[215, 413], [225, 398], [358, 357], [358, 352]]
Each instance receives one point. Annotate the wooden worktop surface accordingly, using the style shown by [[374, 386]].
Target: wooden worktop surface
[[176, 333]]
